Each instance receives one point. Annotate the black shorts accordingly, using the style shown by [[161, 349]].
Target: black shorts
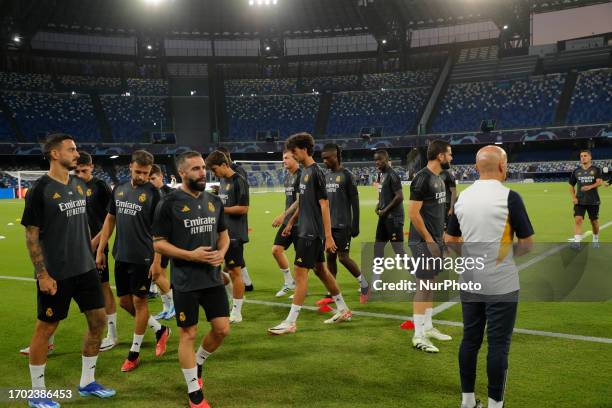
[[104, 271], [164, 261], [285, 242], [85, 289], [308, 252], [187, 304], [234, 257], [132, 279], [430, 267], [342, 238], [389, 230], [581, 209]]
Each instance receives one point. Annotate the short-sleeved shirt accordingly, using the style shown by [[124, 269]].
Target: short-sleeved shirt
[[449, 182], [240, 170], [388, 184], [235, 191], [312, 189], [292, 186], [134, 208], [98, 197], [488, 215], [60, 212], [429, 188], [188, 222], [341, 191], [586, 177]]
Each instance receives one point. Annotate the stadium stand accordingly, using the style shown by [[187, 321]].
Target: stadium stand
[[6, 132], [396, 80], [131, 116], [520, 103], [38, 114], [288, 114], [396, 110], [592, 97], [87, 83], [331, 83], [26, 82], [147, 87], [242, 87]]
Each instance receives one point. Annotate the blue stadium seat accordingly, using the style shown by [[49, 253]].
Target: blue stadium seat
[[87, 83], [514, 104], [39, 114], [246, 87], [592, 98], [147, 87], [396, 110], [6, 132], [331, 83], [289, 114], [26, 82], [397, 80]]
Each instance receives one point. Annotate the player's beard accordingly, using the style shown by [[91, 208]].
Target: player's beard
[[197, 185], [445, 165], [69, 165]]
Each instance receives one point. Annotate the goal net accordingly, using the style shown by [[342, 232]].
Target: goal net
[[264, 176], [25, 179]]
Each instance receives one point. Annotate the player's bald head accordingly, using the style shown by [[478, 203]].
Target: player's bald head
[[491, 161]]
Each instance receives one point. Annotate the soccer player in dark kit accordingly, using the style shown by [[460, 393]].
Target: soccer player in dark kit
[[427, 212], [190, 229], [234, 194], [282, 243], [343, 199], [314, 227], [584, 182], [59, 244], [131, 210]]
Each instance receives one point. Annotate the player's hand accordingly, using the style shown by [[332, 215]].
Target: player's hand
[[382, 213], [434, 249], [94, 243], [574, 200], [200, 254], [100, 260], [278, 221], [287, 231], [216, 258], [47, 285], [330, 245]]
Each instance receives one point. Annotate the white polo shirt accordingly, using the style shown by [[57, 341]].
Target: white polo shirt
[[488, 215]]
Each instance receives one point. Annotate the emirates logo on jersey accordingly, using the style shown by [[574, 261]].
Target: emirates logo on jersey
[[142, 198]]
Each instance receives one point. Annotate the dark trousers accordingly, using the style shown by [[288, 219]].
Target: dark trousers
[[498, 318]]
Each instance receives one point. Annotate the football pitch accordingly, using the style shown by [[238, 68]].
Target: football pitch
[[560, 357]]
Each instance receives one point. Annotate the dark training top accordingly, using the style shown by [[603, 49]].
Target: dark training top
[[581, 177], [388, 184], [429, 188], [235, 191], [134, 208], [240, 170], [98, 197], [343, 198], [166, 189], [449, 182], [292, 186], [60, 213], [188, 223], [312, 189]]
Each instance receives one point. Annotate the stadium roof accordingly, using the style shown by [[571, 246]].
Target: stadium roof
[[235, 18]]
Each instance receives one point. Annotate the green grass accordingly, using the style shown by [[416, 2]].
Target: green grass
[[368, 362]]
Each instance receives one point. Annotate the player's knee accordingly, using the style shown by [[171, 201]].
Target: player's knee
[[320, 270], [277, 250], [343, 257], [221, 332], [188, 334], [46, 329], [126, 303]]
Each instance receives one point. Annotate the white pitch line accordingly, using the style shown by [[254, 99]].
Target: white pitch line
[[447, 305], [404, 318]]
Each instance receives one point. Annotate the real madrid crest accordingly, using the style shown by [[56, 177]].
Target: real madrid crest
[[142, 198], [211, 207], [306, 178], [80, 190], [89, 192], [337, 179]]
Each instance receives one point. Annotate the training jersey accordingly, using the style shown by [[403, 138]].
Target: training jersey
[[342, 194], [134, 208], [292, 186], [388, 184], [429, 188], [240, 170], [98, 196], [165, 190], [60, 212], [586, 177], [189, 222], [449, 182], [488, 215], [312, 189], [235, 191]]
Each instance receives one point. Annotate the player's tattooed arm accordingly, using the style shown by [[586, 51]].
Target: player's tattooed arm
[[35, 250]]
